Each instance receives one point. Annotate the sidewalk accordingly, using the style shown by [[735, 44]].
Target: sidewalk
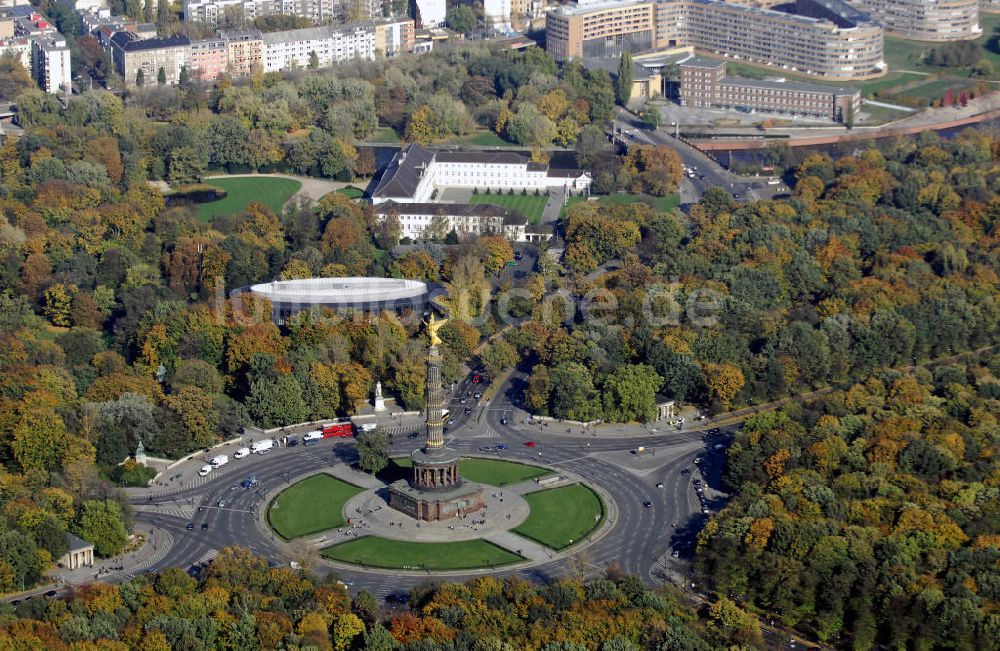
[[155, 544]]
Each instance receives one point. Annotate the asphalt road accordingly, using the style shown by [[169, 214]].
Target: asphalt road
[[639, 538]]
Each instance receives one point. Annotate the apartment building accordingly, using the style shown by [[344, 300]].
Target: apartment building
[[216, 12], [244, 51], [927, 20], [41, 49], [132, 54], [51, 63], [333, 44], [394, 36], [704, 84], [825, 38], [209, 59]]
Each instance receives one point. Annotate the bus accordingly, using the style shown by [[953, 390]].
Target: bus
[[343, 430]]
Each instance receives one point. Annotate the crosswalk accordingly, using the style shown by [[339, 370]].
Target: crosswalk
[[183, 512]]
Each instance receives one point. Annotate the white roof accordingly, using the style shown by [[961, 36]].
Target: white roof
[[341, 291]]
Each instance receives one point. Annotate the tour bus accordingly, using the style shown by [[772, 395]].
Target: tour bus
[[312, 438], [344, 430]]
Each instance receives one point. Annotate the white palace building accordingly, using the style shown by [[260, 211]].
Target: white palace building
[[410, 182]]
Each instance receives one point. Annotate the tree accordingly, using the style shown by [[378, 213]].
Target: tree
[[161, 76], [313, 60], [121, 424], [630, 393], [14, 79], [378, 638], [497, 252], [462, 19], [102, 523], [498, 357], [623, 82], [140, 78], [275, 401], [373, 451], [724, 381], [651, 117]]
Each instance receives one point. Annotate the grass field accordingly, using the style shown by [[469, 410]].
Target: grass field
[[663, 204], [902, 54], [482, 138], [242, 191], [486, 471], [294, 511], [530, 206], [936, 89], [561, 516], [384, 135], [891, 80], [401, 554], [351, 192], [881, 114]]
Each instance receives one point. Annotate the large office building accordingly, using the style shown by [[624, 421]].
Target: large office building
[[824, 38], [704, 84], [926, 20]]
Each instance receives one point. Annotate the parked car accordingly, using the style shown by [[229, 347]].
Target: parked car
[[530, 444], [485, 448], [502, 446], [204, 471], [242, 452]]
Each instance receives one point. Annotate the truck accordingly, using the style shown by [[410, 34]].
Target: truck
[[312, 438], [343, 430], [219, 461], [260, 447]]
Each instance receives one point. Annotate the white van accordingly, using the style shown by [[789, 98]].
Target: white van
[[367, 427], [242, 452], [219, 461], [312, 438], [260, 447], [204, 471]]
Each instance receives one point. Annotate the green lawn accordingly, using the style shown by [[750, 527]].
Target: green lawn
[[902, 54], [881, 114], [561, 516], [499, 473], [351, 192], [312, 505], [384, 135], [482, 138], [530, 206], [401, 554], [936, 89], [494, 472], [891, 80], [242, 191]]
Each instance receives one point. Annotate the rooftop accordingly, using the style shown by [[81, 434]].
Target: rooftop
[[354, 290], [702, 62], [129, 42], [401, 177], [75, 543], [788, 85]]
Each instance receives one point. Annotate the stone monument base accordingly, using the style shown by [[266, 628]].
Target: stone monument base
[[436, 504]]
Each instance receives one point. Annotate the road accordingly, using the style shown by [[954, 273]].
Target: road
[[708, 173], [640, 535]]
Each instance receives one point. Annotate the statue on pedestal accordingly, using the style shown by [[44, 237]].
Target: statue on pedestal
[[140, 453], [433, 325], [379, 400]]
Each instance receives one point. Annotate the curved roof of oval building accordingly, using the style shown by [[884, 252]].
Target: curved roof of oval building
[[344, 292]]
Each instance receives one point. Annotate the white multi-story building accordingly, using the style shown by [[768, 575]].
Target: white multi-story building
[[466, 220], [496, 13], [212, 12], [333, 44], [51, 65], [416, 172], [430, 13]]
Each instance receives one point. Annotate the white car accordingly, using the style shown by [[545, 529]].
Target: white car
[[242, 452], [204, 471]]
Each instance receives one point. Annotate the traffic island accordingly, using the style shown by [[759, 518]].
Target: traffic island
[[373, 551], [561, 517], [309, 506]]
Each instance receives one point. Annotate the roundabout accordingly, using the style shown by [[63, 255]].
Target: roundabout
[[529, 515]]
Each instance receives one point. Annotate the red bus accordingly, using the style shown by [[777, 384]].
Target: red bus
[[338, 429]]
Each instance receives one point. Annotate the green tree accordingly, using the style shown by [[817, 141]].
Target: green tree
[[313, 60], [630, 393], [623, 82], [651, 117], [378, 638], [373, 451], [183, 77], [102, 523], [462, 19], [161, 76], [275, 401], [187, 164], [573, 395], [140, 78], [498, 357]]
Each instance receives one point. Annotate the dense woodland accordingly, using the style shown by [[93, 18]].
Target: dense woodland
[[871, 516]]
